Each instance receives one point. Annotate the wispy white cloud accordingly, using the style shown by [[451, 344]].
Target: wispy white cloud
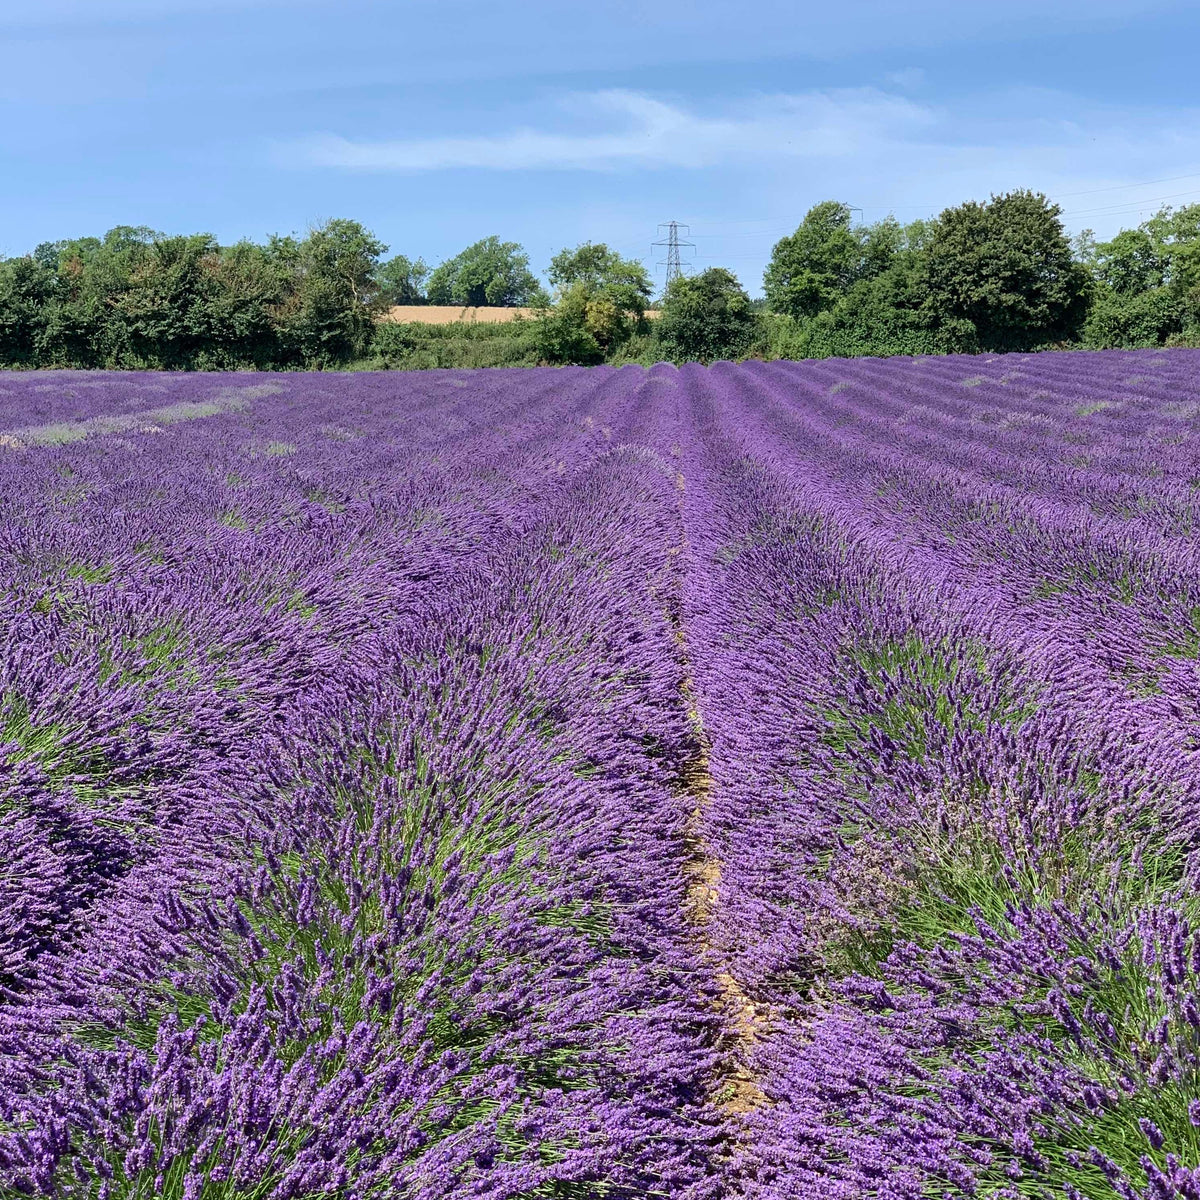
[[644, 132], [885, 151]]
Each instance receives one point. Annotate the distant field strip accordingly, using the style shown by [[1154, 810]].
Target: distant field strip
[[154, 420], [448, 314]]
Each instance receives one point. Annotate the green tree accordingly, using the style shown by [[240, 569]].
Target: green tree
[[331, 314], [26, 290], [812, 267], [874, 302], [601, 296], [490, 272], [1147, 282], [1132, 262], [402, 280], [1177, 233], [882, 315], [78, 315], [562, 334], [345, 254], [253, 287], [1130, 320], [165, 310], [879, 244], [601, 269], [137, 298], [1006, 267], [706, 317]]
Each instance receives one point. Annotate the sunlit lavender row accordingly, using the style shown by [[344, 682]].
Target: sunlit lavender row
[[945, 621], [775, 780]]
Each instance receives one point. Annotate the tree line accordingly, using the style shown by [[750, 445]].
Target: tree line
[[996, 276], [140, 299]]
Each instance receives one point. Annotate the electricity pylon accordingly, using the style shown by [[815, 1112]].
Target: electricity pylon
[[673, 243]]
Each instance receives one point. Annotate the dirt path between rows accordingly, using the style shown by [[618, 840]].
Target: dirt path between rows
[[737, 1091]]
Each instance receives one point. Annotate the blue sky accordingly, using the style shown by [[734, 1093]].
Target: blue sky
[[436, 122]]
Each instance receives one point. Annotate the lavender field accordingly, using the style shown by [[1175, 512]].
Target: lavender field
[[774, 780]]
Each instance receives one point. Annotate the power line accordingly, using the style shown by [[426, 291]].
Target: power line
[[672, 241], [1117, 187], [1121, 208], [1128, 207], [1131, 205]]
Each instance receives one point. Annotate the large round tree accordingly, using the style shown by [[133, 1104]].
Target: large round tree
[[1006, 266], [489, 272]]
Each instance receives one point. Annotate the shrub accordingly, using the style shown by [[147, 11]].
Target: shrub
[[706, 317], [1134, 319]]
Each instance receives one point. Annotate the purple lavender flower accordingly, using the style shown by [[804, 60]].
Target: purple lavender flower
[[774, 780]]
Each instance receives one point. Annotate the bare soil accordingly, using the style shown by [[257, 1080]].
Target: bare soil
[[740, 1092]]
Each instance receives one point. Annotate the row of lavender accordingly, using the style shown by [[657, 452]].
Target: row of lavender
[[945, 621], [341, 847]]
